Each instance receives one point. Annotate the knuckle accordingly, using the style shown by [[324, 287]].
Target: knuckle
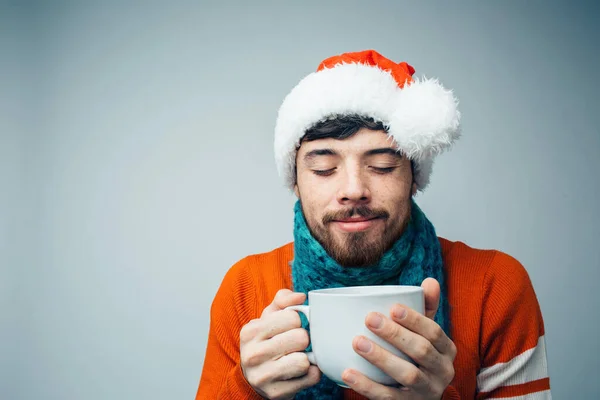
[[449, 374], [304, 364], [244, 359], [244, 334], [395, 331], [295, 358], [253, 355], [296, 365], [266, 312], [413, 378], [249, 331], [389, 330], [423, 350], [300, 336], [282, 293], [301, 362], [292, 317], [254, 380], [262, 381], [249, 358], [453, 350], [437, 333], [255, 358]]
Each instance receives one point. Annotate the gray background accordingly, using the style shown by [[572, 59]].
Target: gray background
[[137, 167]]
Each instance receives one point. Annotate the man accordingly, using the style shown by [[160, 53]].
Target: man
[[355, 141]]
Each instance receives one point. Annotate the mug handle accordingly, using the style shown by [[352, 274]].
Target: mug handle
[[306, 311]]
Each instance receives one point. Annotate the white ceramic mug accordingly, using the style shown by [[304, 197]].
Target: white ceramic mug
[[336, 316]]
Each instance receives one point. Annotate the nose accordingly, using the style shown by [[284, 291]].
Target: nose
[[354, 188]]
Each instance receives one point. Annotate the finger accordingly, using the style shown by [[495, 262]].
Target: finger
[[284, 298], [425, 327], [269, 326], [410, 343], [295, 340], [290, 366], [368, 388], [278, 322], [282, 389], [397, 368], [431, 291], [289, 342]]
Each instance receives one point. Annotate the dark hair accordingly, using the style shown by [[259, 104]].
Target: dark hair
[[342, 127]]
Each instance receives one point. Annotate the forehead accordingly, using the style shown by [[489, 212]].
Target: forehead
[[362, 141]]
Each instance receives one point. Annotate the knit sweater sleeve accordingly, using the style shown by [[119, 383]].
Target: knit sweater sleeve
[[512, 346], [233, 306]]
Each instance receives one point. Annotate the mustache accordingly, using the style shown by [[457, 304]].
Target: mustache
[[361, 211]]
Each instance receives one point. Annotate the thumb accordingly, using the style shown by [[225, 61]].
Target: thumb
[[431, 291]]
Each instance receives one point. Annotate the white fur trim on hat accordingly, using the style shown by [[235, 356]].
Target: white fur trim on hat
[[422, 118]]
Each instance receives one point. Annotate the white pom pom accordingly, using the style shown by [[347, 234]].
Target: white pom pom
[[426, 119]]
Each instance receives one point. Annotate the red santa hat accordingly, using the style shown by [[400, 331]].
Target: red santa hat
[[420, 115]]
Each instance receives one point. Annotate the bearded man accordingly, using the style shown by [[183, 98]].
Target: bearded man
[[355, 141]]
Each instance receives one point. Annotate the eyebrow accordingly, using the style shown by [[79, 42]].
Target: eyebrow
[[384, 150], [318, 152], [329, 152]]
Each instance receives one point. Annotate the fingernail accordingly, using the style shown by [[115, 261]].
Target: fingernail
[[363, 345], [349, 378], [399, 313], [375, 321]]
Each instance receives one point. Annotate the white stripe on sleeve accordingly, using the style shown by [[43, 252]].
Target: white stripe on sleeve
[[528, 366]]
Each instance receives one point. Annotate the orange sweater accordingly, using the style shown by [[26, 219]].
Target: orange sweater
[[496, 324]]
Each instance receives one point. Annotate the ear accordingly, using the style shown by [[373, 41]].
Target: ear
[[413, 190], [296, 190]]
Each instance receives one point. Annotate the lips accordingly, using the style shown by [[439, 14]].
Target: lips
[[358, 224], [356, 219]]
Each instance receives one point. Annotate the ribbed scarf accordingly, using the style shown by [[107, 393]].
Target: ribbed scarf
[[416, 255]]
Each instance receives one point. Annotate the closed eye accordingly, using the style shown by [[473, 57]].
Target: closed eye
[[323, 172], [382, 170]]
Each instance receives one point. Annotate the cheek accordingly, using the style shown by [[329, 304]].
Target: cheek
[[313, 215], [315, 190], [313, 208], [396, 198], [395, 190]]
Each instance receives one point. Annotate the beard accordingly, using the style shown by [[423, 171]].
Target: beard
[[356, 249]]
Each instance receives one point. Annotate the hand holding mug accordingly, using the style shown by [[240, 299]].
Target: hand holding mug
[[417, 336], [271, 350]]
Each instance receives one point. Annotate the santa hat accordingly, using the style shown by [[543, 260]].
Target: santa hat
[[420, 115]]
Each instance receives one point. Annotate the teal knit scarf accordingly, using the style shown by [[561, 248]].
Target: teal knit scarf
[[416, 255]]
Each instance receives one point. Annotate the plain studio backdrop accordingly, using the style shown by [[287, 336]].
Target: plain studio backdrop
[[137, 167]]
